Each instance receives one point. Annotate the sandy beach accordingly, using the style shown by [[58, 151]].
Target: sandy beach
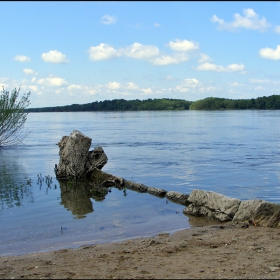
[[226, 250]]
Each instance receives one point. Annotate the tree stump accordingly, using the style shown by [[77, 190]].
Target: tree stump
[[76, 161]]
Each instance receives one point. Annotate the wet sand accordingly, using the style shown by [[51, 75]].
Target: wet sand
[[212, 251]]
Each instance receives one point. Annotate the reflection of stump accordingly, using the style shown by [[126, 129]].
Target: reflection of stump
[[76, 196], [76, 161]]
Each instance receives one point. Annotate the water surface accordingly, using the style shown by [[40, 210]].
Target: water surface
[[235, 153]]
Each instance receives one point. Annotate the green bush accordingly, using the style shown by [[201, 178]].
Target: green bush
[[12, 116]]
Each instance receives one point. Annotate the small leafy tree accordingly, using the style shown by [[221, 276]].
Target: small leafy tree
[[12, 116]]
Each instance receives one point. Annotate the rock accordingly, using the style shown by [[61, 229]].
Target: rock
[[136, 186], [76, 161], [177, 197], [246, 209], [102, 179], [156, 191], [260, 212], [182, 244], [211, 204], [273, 268]]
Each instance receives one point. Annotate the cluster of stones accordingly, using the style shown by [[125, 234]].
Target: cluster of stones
[[209, 204], [78, 163], [223, 208]]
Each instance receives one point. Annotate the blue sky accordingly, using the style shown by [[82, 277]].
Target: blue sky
[[81, 52]]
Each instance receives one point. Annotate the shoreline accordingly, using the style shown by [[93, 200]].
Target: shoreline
[[192, 221], [227, 250]]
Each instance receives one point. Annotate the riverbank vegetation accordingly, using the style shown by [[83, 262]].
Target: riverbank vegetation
[[12, 116], [121, 105], [261, 103], [211, 103]]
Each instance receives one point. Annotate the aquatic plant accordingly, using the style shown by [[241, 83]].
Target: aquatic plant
[[47, 179], [15, 186]]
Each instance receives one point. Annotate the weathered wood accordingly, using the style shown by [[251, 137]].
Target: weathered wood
[[211, 204], [259, 212], [177, 197], [76, 161]]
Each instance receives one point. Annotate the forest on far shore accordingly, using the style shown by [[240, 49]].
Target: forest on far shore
[[210, 103]]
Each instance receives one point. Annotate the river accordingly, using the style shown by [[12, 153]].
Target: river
[[235, 153]]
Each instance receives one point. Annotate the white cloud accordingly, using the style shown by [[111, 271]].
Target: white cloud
[[168, 78], [207, 89], [277, 29], [149, 53], [235, 67], [211, 67], [259, 81], [183, 45], [78, 90], [113, 85], [235, 84], [270, 53], [22, 58], [131, 86], [34, 88], [3, 85], [218, 68], [188, 84], [216, 19], [52, 81], [54, 56], [140, 51], [102, 52], [250, 20], [204, 58], [29, 71], [259, 88], [157, 24], [191, 87], [74, 87], [191, 82], [112, 89], [147, 90], [106, 19], [170, 59]]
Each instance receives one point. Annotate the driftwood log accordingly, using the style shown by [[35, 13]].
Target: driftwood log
[[76, 161], [78, 164]]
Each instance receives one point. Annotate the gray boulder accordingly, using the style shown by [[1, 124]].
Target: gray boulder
[[136, 186], [100, 178], [156, 191], [211, 204], [76, 161], [177, 197], [259, 212]]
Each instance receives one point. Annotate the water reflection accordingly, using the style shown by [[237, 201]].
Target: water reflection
[[76, 196], [201, 221], [15, 186]]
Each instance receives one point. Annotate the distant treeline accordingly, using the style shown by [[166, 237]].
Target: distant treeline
[[121, 105], [211, 103]]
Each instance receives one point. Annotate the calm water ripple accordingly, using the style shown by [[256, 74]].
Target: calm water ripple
[[235, 153]]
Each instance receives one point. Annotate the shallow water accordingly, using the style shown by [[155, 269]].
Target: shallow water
[[235, 153]]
